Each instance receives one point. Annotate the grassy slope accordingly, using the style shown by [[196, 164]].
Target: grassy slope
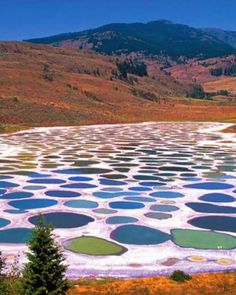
[[11, 128], [228, 83], [77, 96]]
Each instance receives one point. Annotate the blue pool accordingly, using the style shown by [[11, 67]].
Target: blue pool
[[63, 219], [139, 235]]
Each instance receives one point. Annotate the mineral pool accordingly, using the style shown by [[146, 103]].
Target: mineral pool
[[123, 199]]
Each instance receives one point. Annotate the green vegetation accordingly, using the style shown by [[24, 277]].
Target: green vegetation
[[94, 246], [197, 92], [10, 282], [201, 239], [3, 286], [44, 272], [130, 66], [223, 92], [180, 276]]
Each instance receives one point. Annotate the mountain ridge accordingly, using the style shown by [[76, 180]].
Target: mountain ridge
[[151, 38]]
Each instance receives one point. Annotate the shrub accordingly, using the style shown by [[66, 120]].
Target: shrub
[[47, 74], [145, 94], [180, 276], [3, 286], [223, 92], [72, 87]]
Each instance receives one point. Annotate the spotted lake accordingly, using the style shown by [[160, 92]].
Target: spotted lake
[[125, 200]]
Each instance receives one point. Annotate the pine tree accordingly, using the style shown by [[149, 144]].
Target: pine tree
[[45, 270]]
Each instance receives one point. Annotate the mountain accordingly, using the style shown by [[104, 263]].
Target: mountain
[[228, 37], [152, 38]]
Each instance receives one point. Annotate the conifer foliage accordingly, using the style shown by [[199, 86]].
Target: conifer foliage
[[45, 270]]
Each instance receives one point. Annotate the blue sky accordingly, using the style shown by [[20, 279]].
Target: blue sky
[[22, 19]]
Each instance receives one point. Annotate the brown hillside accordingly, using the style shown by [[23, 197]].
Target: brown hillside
[[227, 83], [200, 72], [42, 85]]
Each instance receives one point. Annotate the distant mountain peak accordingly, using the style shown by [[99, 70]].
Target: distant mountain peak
[[160, 37]]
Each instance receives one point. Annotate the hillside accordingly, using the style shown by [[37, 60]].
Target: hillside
[[228, 37], [153, 38], [213, 74], [46, 86]]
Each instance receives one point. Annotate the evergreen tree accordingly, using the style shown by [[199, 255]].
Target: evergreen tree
[[45, 270]]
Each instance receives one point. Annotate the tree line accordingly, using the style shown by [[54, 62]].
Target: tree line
[[226, 71]]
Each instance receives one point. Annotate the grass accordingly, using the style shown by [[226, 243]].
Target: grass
[[204, 284], [94, 246], [11, 128]]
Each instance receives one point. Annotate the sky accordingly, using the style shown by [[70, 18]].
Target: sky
[[24, 19]]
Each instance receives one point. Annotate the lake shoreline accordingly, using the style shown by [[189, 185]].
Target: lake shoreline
[[15, 128]]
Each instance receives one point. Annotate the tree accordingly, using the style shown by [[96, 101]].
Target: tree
[[45, 270], [197, 92]]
